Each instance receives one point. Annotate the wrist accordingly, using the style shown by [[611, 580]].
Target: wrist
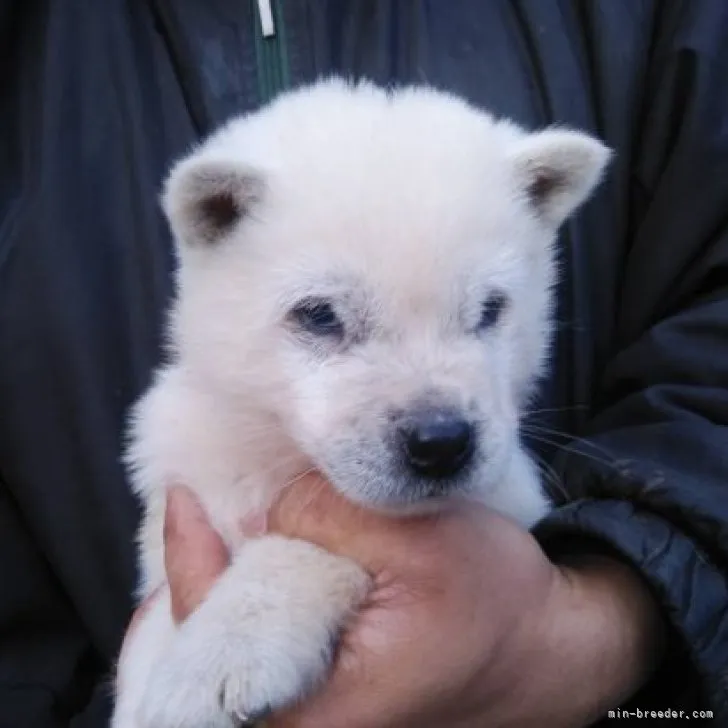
[[608, 633], [593, 643]]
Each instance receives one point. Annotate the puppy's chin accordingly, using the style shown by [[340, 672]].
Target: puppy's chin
[[428, 507], [402, 508], [397, 495]]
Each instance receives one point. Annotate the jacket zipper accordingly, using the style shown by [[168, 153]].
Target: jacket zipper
[[270, 49]]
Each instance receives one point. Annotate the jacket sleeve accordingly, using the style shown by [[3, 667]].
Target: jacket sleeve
[[649, 479], [50, 676], [85, 266]]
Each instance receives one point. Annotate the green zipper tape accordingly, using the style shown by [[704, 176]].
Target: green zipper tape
[[271, 54]]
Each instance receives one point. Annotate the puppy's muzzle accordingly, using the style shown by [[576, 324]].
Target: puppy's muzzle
[[436, 443]]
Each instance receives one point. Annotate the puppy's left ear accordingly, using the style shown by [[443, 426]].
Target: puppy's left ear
[[558, 170]]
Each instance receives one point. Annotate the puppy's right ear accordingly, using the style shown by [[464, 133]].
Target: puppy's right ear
[[205, 199]]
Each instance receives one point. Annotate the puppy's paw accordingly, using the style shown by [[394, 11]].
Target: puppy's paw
[[124, 721], [183, 694], [221, 682], [263, 639]]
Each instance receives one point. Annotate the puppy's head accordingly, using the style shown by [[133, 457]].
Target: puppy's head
[[373, 271]]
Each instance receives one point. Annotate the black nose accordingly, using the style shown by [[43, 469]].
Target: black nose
[[438, 444]]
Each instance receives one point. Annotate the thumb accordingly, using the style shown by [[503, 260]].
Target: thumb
[[194, 553]]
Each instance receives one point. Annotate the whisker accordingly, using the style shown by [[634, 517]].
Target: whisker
[[551, 476], [570, 438], [299, 477], [278, 464], [544, 410], [569, 448]]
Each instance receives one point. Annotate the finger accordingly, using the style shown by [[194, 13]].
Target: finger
[[317, 711], [312, 510], [335, 703], [194, 553]]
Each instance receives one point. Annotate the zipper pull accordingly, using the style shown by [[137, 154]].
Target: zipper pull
[[265, 13]]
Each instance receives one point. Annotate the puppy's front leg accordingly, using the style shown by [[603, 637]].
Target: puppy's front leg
[[264, 637]]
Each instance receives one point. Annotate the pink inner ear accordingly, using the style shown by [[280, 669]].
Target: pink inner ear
[[254, 524], [545, 182], [220, 210]]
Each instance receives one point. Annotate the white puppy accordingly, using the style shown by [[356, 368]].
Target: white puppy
[[364, 287]]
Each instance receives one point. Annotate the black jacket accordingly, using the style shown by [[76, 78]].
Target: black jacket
[[97, 98]]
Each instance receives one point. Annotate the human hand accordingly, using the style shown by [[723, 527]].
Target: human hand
[[468, 623]]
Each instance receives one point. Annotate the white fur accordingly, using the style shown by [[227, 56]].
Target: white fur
[[407, 209]]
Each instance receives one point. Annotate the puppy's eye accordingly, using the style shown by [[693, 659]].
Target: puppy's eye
[[317, 316], [492, 309]]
